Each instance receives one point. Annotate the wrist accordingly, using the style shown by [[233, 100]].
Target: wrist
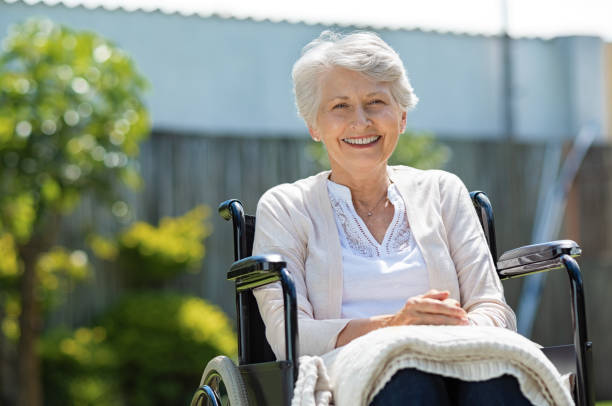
[[386, 320]]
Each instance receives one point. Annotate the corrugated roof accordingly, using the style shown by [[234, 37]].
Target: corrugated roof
[[484, 19], [225, 9]]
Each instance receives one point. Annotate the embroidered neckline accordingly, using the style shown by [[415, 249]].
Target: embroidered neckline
[[357, 236]]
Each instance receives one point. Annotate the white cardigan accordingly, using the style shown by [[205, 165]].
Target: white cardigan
[[296, 221]]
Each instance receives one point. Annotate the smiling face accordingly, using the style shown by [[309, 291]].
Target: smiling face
[[358, 120]]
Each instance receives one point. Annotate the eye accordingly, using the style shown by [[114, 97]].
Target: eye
[[340, 106], [376, 101]]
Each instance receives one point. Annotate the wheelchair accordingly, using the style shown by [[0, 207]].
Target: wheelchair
[[260, 380]]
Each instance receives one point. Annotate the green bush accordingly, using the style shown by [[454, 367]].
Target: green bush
[[155, 344], [79, 368], [148, 349], [147, 256], [163, 342]]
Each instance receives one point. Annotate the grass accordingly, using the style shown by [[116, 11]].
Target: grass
[[604, 403]]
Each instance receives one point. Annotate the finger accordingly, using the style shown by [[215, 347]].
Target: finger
[[430, 312], [452, 302], [432, 294], [428, 305], [437, 294]]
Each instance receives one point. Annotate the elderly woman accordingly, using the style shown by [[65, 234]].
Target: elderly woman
[[369, 245]]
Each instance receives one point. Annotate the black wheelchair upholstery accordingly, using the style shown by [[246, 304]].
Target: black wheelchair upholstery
[[260, 380]]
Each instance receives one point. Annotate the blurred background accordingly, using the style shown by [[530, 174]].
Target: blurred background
[[123, 124]]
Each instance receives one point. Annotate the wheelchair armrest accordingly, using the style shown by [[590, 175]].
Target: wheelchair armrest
[[535, 258], [546, 257], [259, 270], [255, 271]]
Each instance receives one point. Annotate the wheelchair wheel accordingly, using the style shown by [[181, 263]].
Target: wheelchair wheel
[[221, 385]]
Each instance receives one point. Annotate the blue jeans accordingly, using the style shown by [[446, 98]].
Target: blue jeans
[[413, 387]]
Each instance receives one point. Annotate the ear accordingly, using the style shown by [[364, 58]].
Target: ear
[[314, 134], [403, 123]]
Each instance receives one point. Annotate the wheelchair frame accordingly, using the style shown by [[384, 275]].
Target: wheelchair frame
[[523, 261], [270, 382]]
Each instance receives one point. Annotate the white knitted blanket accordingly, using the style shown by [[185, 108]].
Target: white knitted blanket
[[352, 375]]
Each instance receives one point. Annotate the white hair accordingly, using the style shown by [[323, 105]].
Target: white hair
[[359, 51]]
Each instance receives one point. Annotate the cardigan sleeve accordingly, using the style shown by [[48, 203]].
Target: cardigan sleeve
[[282, 227], [482, 294]]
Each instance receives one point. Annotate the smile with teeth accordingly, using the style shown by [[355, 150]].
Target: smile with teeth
[[361, 141]]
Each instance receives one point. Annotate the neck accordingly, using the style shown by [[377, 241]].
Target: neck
[[367, 188]]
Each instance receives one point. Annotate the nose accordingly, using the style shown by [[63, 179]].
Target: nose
[[361, 118]]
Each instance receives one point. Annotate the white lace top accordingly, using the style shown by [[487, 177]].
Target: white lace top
[[377, 278]]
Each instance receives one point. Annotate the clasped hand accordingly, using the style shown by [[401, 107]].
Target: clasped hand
[[432, 308]]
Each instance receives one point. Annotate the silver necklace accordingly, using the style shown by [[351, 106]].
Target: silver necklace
[[371, 211]]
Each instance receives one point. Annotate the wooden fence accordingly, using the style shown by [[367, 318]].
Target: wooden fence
[[182, 171]]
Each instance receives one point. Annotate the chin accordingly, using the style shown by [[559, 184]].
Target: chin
[[366, 166]]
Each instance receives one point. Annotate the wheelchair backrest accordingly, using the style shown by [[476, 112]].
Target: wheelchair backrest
[[258, 350], [484, 211]]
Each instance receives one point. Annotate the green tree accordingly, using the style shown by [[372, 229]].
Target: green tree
[[71, 119]]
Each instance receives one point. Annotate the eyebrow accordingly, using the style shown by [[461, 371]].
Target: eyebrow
[[346, 97], [338, 97]]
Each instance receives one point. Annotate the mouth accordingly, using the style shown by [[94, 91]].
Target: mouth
[[362, 140]]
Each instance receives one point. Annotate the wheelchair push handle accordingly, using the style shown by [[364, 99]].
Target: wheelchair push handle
[[232, 209]]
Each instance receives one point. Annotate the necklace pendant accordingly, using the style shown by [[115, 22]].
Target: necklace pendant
[[369, 213]]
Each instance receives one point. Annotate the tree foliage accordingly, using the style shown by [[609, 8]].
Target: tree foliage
[[71, 119]]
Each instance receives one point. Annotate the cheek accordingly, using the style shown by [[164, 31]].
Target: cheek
[[332, 122], [390, 118]]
